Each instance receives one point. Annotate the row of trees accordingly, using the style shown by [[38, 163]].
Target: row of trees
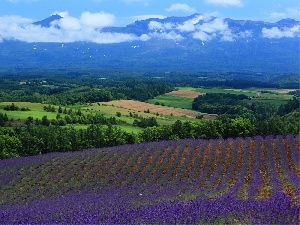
[[236, 106], [32, 139], [62, 120], [78, 91]]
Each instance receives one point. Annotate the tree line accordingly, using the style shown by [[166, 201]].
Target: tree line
[[25, 140]]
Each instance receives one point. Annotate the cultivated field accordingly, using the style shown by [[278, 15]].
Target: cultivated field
[[185, 93], [232, 181], [142, 106]]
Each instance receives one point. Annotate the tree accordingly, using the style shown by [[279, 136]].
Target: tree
[[45, 121], [3, 119], [10, 147]]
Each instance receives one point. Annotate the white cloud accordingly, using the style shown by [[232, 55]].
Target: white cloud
[[187, 26], [69, 23], [216, 25], [181, 7], [190, 25], [288, 13], [97, 20], [203, 27], [211, 29], [145, 37], [67, 29], [154, 25], [245, 34], [293, 12], [275, 32], [225, 2], [15, 19], [203, 36], [62, 14], [166, 35], [277, 15]]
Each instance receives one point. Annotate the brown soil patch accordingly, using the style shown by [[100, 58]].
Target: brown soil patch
[[185, 93], [142, 106]]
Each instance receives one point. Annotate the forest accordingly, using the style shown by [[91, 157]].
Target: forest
[[65, 125]]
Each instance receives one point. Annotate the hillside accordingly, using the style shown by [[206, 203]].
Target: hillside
[[240, 181]]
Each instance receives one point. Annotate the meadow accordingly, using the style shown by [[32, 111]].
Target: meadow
[[192, 181], [166, 109], [184, 99]]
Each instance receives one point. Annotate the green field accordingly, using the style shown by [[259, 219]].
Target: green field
[[272, 96], [173, 101], [37, 112]]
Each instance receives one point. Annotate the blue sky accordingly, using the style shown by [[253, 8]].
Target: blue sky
[[83, 20], [126, 11]]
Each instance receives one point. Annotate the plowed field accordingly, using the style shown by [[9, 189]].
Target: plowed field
[[185, 93], [142, 106]]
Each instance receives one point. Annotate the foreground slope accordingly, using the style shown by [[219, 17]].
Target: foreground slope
[[251, 180]]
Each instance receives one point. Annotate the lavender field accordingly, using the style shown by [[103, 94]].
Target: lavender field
[[221, 181]]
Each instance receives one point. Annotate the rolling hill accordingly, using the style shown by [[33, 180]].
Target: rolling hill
[[237, 181]]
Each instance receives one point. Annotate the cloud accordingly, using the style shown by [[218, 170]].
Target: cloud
[[15, 19], [190, 25], [216, 25], [181, 7], [172, 35], [288, 13], [277, 15], [187, 26], [69, 23], [245, 34], [67, 29], [202, 27], [275, 32], [96, 20], [62, 14], [154, 25], [203, 36], [211, 29], [293, 12], [225, 2]]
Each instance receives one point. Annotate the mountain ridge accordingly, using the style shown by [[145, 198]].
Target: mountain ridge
[[194, 43]]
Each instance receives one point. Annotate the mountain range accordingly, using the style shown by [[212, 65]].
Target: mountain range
[[194, 43]]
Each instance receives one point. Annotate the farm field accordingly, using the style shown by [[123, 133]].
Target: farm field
[[172, 106], [142, 107], [217, 181], [163, 114], [184, 96]]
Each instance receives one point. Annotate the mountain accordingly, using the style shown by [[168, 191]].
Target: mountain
[[194, 43], [47, 22]]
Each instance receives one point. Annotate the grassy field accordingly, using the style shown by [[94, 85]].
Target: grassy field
[[172, 101], [273, 96], [37, 112]]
